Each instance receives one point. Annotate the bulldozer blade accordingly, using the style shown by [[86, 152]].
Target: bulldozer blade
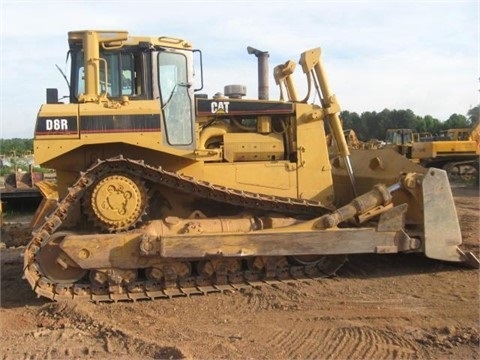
[[48, 189], [442, 229], [48, 204]]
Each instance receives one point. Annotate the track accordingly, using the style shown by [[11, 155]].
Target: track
[[398, 306], [46, 285]]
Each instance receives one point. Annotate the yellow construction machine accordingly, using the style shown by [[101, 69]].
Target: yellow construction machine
[[457, 151], [400, 140], [164, 191]]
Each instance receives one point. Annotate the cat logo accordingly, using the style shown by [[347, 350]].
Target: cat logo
[[219, 106]]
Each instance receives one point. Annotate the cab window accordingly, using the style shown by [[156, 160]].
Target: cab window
[[119, 79]]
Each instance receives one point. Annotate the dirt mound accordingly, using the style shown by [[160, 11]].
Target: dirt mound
[[66, 330], [15, 234]]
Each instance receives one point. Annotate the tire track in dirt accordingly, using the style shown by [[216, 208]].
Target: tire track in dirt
[[342, 343], [283, 296]]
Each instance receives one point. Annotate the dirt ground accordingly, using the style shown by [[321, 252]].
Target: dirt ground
[[377, 307]]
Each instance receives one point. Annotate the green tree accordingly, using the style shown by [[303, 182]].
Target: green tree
[[16, 146], [368, 121], [432, 125], [378, 129], [474, 114], [351, 120], [456, 121], [404, 119]]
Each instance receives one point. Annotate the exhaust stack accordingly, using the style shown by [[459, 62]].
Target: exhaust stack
[[262, 72]]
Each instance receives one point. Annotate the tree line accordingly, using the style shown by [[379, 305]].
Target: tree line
[[16, 147], [374, 125]]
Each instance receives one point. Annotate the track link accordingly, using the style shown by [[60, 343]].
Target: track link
[[147, 289]]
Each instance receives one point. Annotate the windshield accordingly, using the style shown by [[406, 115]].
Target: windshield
[[117, 82]]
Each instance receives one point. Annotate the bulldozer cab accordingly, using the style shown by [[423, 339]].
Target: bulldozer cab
[[400, 140], [458, 134], [399, 136], [110, 70]]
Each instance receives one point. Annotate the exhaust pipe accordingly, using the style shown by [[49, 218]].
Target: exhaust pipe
[[262, 72]]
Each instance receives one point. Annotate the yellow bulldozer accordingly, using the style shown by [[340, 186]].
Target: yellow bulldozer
[[164, 191], [400, 140]]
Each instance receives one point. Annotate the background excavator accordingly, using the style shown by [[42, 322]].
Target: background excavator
[[457, 151], [163, 191]]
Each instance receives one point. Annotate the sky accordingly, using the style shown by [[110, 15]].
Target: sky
[[418, 55]]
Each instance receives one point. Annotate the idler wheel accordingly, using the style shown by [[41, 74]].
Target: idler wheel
[[57, 266]]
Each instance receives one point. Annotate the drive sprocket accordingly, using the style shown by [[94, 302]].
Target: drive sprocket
[[116, 202]]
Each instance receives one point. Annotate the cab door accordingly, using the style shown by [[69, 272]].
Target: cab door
[[176, 98]]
